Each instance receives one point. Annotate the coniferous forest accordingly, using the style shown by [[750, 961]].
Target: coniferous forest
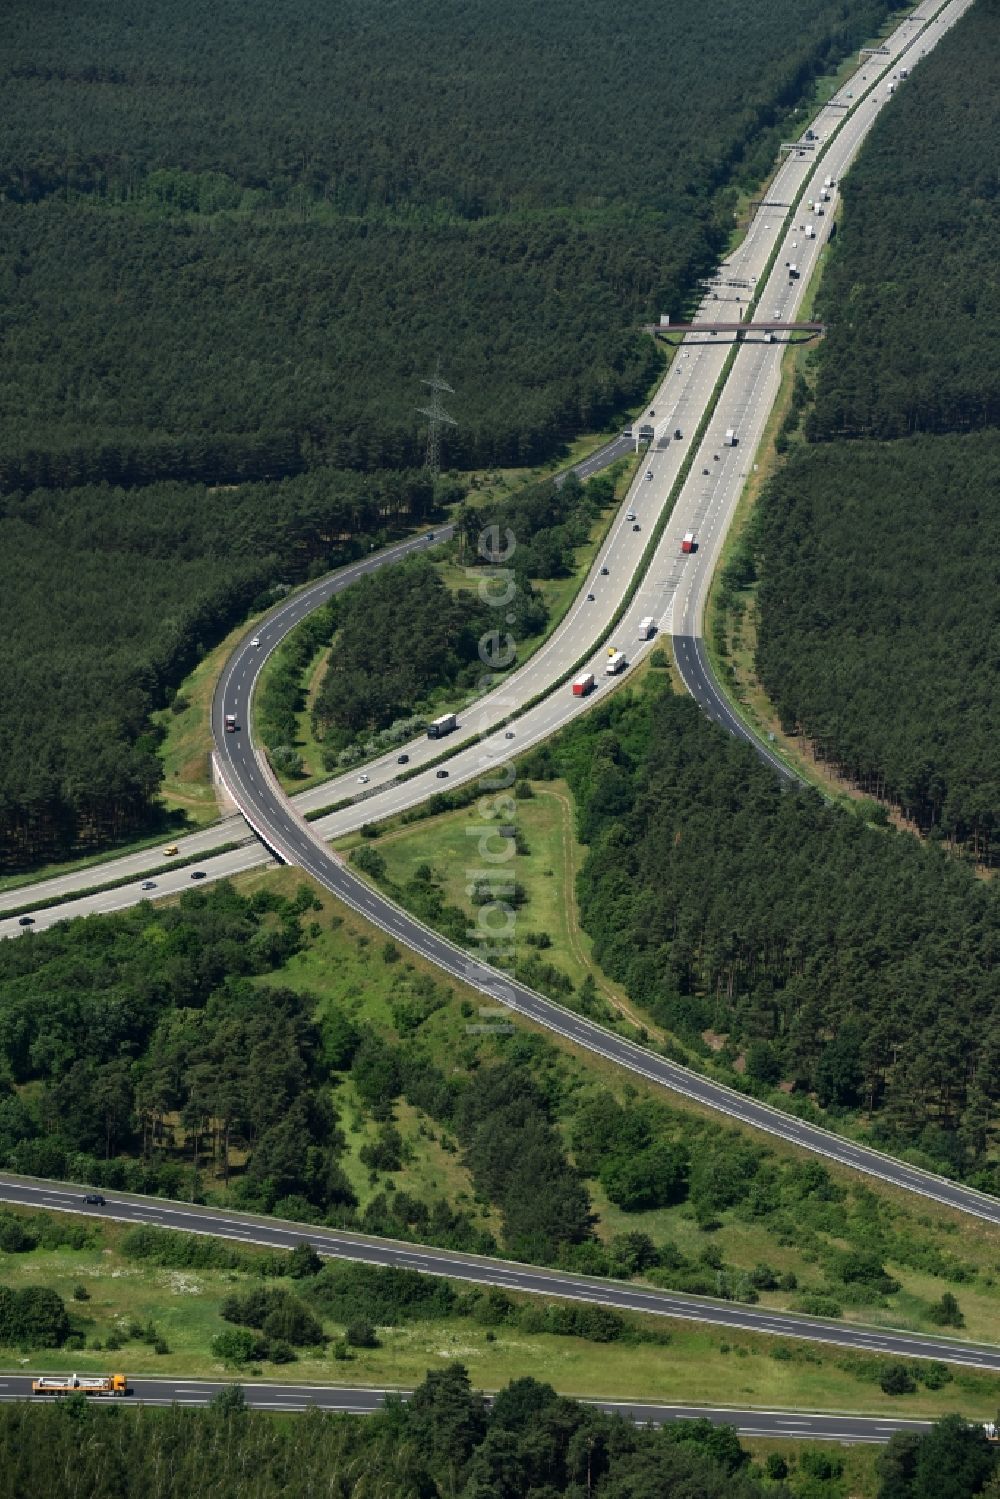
[[254, 231], [231, 245], [878, 543], [840, 961], [112, 595], [446, 1439]]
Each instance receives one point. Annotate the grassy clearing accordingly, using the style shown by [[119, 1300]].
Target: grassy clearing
[[547, 822], [860, 1476], [345, 964], [699, 1365]]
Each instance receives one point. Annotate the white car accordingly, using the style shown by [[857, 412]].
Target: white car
[[363, 780], [256, 642], [649, 473], [630, 515]]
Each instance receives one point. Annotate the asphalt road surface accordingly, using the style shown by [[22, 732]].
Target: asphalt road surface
[[483, 1270], [363, 1402], [674, 587], [675, 600]]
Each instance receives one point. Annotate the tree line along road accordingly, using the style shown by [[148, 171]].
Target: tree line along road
[[284, 830], [508, 1275], [360, 1401]]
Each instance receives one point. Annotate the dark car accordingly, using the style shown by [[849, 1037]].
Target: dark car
[[590, 598], [26, 921], [604, 572], [704, 470], [198, 874], [402, 759], [509, 734], [637, 527], [441, 774], [677, 434], [95, 1200], [148, 885]]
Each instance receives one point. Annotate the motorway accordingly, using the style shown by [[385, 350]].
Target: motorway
[[364, 1402], [284, 829], [484, 1270], [672, 591]]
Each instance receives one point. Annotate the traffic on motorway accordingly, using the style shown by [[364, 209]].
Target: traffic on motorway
[[671, 593], [361, 1401], [274, 1233]]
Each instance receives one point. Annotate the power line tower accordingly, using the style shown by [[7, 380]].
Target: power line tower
[[437, 418]]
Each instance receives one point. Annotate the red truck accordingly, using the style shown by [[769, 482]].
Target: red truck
[[583, 684], [689, 543]]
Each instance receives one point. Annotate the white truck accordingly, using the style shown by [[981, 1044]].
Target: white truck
[[793, 271], [730, 440], [810, 232], [829, 182], [616, 663], [442, 726], [647, 628]]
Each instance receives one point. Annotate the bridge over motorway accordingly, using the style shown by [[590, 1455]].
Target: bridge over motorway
[[759, 325]]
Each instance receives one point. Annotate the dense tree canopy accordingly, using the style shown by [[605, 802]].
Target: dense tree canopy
[[249, 233], [879, 629], [444, 1440], [110, 596], [911, 291], [232, 244], [863, 962]]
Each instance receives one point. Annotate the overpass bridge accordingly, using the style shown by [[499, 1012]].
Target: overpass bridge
[[758, 325]]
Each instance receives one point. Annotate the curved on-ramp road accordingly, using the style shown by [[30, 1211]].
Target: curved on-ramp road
[[282, 827], [300, 843]]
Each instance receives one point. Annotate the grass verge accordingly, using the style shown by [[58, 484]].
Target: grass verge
[[686, 1363]]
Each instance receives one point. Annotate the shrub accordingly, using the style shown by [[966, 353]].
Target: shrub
[[361, 1334], [180, 1251], [14, 1237], [291, 1322], [947, 1312], [821, 1465], [237, 1345], [303, 1261], [896, 1379], [816, 1305], [33, 1318]]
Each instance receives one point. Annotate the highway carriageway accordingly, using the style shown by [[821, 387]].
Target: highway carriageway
[[482, 1270], [364, 1402]]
